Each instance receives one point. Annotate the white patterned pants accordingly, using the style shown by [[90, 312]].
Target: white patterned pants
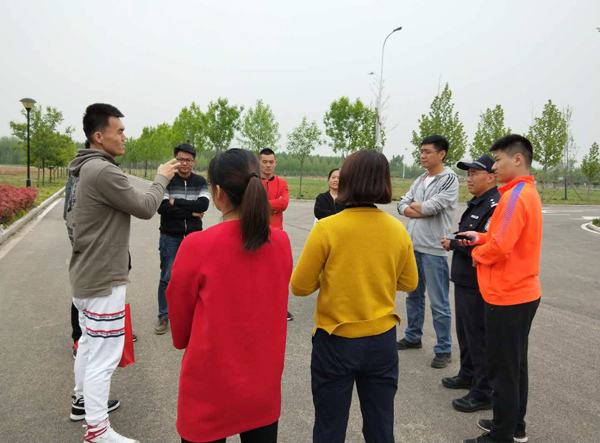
[[102, 321]]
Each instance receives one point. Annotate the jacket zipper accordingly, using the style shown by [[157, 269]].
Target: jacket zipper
[[184, 220]]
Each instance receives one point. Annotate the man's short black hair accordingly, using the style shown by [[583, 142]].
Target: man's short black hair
[[515, 144], [96, 118], [439, 142], [184, 147], [266, 151]]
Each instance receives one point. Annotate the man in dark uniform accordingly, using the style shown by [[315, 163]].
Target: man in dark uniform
[[469, 305]]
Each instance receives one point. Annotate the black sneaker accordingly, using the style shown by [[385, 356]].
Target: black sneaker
[[468, 403], [483, 438], [404, 344], [78, 408], [134, 337], [456, 383], [486, 425], [441, 360], [290, 317]]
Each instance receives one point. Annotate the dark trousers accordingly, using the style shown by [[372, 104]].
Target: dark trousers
[[507, 336], [76, 334], [470, 331], [168, 246], [266, 434], [337, 362]]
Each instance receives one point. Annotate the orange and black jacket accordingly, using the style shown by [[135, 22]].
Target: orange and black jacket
[[508, 258]]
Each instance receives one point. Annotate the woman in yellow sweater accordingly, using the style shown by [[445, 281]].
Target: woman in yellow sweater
[[357, 259]]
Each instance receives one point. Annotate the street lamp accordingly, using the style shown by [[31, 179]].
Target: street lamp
[[28, 104], [378, 144]]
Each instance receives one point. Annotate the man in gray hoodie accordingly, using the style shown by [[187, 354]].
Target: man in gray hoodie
[[430, 204], [102, 203]]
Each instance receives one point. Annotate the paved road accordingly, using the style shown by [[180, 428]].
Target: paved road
[[36, 365]]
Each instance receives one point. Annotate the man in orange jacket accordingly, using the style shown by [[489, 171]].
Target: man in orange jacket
[[508, 262], [277, 191]]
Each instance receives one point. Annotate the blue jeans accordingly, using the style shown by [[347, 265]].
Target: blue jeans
[[433, 275], [168, 247]]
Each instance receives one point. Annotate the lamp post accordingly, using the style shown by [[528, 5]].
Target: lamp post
[[28, 104], [378, 144]]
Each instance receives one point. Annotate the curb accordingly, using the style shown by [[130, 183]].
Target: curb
[[19, 224], [593, 227]]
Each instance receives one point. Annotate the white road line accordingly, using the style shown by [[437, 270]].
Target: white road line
[[26, 230], [589, 217]]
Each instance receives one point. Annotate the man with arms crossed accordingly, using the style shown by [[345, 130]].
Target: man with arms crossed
[[103, 203], [277, 191], [431, 204], [469, 307], [508, 264], [184, 203]]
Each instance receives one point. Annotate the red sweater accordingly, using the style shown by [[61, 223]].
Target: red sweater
[[279, 198], [227, 309]]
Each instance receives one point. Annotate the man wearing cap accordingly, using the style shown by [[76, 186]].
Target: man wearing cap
[[469, 305], [184, 203]]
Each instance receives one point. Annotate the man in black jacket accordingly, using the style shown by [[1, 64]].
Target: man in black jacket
[[181, 211], [469, 305]]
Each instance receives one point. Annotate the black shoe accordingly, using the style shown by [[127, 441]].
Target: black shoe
[[486, 425], [441, 360], [134, 337], [290, 317], [470, 404], [78, 408], [483, 438], [456, 383], [404, 344]]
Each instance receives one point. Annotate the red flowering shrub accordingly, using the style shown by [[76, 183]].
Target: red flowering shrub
[[15, 200]]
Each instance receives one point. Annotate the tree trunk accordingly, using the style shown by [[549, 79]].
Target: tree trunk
[[38, 168], [588, 193], [301, 169], [544, 182], [146, 169], [43, 172]]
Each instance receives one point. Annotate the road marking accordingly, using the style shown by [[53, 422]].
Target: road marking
[[26, 230], [585, 228], [588, 217]]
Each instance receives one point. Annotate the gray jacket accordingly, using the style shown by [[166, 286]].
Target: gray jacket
[[101, 205], [440, 200]]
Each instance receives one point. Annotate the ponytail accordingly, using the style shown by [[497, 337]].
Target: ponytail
[[236, 171]]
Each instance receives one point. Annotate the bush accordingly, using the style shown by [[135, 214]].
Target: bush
[[14, 200], [596, 222]]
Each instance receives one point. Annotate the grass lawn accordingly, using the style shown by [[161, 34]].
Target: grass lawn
[[313, 186]]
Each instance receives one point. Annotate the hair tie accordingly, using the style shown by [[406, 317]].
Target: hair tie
[[252, 174]]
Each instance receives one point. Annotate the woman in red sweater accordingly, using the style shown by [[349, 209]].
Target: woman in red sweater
[[227, 302]]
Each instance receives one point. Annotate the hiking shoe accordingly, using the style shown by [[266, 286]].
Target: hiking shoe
[[486, 425], [161, 326], [441, 360], [104, 433], [483, 438], [405, 344], [456, 383], [78, 408], [290, 317], [133, 337], [470, 404]]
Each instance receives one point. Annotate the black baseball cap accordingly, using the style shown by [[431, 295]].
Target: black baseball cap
[[484, 163], [185, 147]]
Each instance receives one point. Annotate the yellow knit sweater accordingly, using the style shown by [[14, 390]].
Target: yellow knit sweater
[[358, 259]]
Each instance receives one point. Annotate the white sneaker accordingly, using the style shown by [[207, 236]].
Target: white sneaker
[[104, 433]]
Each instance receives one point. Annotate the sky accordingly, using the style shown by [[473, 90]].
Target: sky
[[151, 58]]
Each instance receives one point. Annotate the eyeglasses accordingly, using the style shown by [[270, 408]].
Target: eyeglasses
[[426, 152], [185, 160]]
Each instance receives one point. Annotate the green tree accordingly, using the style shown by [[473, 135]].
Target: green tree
[[259, 129], [45, 138], [548, 135], [10, 151], [221, 120], [489, 129], [397, 164], [189, 123], [302, 141], [590, 166], [350, 126], [442, 120]]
